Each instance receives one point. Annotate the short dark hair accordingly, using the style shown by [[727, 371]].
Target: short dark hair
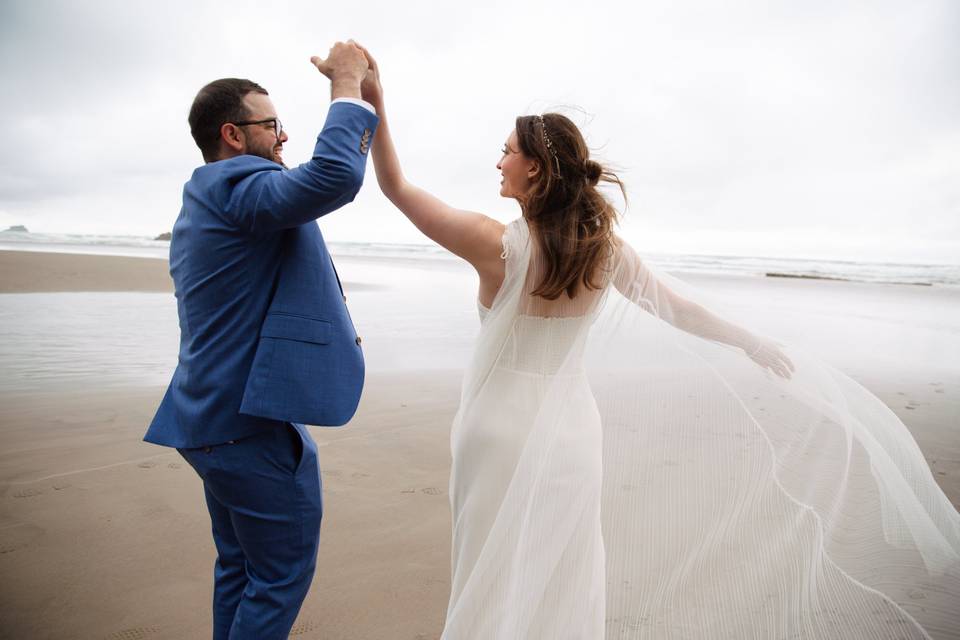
[[219, 102]]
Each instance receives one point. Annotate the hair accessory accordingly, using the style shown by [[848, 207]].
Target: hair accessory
[[546, 141]]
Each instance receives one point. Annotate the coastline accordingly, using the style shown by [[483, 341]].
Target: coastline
[[42, 272], [757, 267]]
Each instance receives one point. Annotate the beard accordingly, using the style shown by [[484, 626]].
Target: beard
[[271, 153]]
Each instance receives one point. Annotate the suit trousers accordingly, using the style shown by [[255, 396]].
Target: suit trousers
[[263, 493]]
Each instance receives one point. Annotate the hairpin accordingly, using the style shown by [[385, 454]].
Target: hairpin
[[546, 141]]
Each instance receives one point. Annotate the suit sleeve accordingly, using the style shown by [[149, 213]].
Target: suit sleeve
[[272, 200]]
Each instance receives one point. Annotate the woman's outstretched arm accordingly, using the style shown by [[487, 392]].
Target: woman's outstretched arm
[[639, 285], [473, 236]]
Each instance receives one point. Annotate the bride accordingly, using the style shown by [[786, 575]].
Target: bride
[[627, 464]]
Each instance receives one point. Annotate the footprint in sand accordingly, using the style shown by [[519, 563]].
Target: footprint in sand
[[135, 633], [304, 627], [60, 486], [147, 465], [333, 473], [408, 491], [27, 493], [173, 465], [357, 474], [431, 491], [18, 536]]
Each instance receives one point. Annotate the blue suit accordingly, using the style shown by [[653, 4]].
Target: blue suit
[[266, 344]]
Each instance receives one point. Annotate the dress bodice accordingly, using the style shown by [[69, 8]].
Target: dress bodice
[[542, 345]]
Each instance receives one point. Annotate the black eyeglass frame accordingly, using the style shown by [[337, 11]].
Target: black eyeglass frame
[[277, 125]]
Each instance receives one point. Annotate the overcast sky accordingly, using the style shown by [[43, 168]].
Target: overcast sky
[[801, 128]]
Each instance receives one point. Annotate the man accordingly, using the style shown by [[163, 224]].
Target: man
[[266, 342]]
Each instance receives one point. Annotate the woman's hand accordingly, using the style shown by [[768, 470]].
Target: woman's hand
[[370, 89], [768, 355]]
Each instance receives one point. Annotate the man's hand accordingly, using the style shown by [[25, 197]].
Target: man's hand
[[346, 67], [370, 89]]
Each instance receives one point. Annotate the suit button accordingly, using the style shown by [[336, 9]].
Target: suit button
[[344, 298], [207, 449], [359, 341]]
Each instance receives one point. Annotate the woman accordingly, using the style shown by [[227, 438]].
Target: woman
[[615, 477]]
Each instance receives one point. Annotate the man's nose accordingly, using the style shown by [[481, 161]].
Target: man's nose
[[283, 137]]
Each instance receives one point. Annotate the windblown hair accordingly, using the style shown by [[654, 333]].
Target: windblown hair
[[568, 216], [219, 102]]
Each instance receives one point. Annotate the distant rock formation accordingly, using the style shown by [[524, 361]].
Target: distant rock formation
[[164, 236], [18, 227], [804, 276]]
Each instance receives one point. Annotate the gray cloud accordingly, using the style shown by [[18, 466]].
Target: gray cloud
[[729, 121]]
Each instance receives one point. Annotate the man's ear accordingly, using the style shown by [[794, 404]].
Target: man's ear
[[233, 137]]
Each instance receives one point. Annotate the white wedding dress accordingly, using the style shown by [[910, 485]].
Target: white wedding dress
[[620, 471]]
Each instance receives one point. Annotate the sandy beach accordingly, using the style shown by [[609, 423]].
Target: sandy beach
[[103, 536], [35, 272]]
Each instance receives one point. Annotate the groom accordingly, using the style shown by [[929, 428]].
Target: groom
[[266, 342]]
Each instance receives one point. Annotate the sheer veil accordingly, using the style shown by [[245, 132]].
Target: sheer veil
[[734, 502]]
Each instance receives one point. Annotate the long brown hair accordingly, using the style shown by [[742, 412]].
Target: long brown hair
[[568, 216]]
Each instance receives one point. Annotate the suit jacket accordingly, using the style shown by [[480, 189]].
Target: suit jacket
[[265, 335]]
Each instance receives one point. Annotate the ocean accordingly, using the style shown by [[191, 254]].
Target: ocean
[[855, 271], [415, 308]]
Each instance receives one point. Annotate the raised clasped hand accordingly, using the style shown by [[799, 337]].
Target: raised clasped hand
[[344, 62]]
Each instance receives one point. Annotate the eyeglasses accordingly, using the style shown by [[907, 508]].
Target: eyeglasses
[[277, 126]]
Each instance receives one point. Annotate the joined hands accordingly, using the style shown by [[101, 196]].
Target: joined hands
[[353, 73], [346, 66]]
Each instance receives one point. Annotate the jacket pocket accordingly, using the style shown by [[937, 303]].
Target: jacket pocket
[[299, 328]]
